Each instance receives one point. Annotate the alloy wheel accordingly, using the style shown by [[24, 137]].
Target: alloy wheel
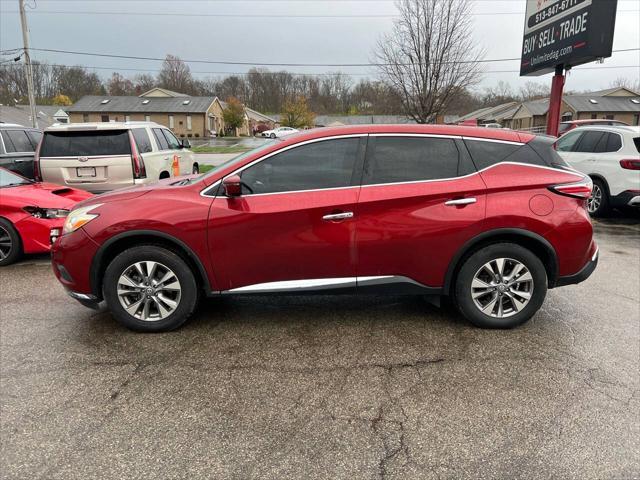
[[594, 202], [149, 291], [502, 287], [5, 243]]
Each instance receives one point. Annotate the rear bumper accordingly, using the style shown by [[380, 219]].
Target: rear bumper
[[582, 275], [628, 198]]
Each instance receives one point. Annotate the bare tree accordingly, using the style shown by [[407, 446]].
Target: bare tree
[[429, 55], [534, 91], [175, 75], [631, 84]]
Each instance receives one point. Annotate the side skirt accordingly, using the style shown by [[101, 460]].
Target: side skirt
[[379, 285]]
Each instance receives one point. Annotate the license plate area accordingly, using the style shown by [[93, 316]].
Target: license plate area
[[82, 172]]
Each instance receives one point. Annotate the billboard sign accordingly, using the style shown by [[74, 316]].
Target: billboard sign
[[566, 32]]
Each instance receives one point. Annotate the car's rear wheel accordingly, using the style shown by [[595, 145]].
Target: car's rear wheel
[[10, 244], [150, 289], [598, 203], [501, 286]]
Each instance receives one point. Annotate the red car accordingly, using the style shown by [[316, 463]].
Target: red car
[[490, 218], [565, 127], [28, 213]]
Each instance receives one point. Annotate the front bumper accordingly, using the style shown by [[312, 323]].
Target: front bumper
[[583, 274], [86, 299]]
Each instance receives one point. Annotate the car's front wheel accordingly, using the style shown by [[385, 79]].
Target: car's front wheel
[[501, 286], [273, 135], [10, 244], [150, 289]]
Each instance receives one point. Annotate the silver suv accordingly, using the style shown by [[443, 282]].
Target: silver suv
[[100, 157]]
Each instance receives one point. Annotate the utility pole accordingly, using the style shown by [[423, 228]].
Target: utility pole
[[27, 65]]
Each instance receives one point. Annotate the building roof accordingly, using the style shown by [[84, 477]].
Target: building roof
[[21, 115], [126, 104], [257, 116], [162, 92], [497, 112], [613, 91], [593, 103]]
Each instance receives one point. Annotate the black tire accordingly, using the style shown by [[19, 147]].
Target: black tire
[[195, 169], [600, 192], [473, 264], [10, 243], [188, 285], [273, 135], [164, 175]]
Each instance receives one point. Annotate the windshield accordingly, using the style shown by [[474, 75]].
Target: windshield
[[10, 179], [241, 157]]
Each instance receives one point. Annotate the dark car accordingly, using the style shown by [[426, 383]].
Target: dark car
[[17, 147], [488, 217]]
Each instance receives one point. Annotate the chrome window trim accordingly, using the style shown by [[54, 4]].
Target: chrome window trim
[[427, 135], [492, 140], [563, 170]]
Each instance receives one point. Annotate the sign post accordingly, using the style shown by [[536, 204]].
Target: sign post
[[560, 34]]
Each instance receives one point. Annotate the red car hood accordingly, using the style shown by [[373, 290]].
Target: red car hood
[[44, 195], [134, 192]]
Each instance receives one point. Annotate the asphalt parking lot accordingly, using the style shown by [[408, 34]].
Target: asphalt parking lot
[[325, 387]]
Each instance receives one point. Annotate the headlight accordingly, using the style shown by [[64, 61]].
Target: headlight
[[46, 212], [79, 217]]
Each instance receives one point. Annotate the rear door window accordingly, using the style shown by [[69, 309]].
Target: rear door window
[[17, 141], [35, 136], [143, 142], [85, 143], [160, 139], [410, 159], [589, 141], [614, 143]]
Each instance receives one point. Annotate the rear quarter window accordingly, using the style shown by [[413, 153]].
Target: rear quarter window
[[485, 154], [85, 143], [143, 142]]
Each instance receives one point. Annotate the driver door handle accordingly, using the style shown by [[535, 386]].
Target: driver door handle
[[460, 201], [338, 216]]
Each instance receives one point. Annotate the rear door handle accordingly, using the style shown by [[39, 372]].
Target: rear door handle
[[338, 216], [460, 201]]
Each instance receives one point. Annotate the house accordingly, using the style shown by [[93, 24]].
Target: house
[[47, 115], [257, 119], [618, 103], [186, 116]]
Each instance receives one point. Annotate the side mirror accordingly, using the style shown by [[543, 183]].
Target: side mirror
[[186, 143], [232, 186]]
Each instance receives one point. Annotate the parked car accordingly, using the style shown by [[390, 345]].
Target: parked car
[[17, 147], [100, 157], [28, 213], [279, 132], [490, 218], [611, 157], [565, 127], [492, 125]]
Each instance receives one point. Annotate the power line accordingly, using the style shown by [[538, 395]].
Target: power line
[[148, 70], [268, 64]]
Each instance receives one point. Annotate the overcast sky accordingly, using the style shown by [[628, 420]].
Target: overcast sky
[[256, 38]]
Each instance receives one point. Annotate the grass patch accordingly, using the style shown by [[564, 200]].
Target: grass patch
[[210, 149], [206, 168]]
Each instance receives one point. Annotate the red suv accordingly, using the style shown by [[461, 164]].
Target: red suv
[[490, 218]]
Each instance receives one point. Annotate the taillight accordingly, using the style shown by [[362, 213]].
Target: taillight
[[630, 164], [580, 189], [137, 162], [37, 173]]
